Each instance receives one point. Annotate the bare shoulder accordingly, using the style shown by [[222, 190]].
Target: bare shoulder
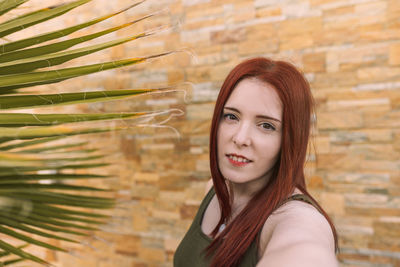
[[297, 234], [208, 185]]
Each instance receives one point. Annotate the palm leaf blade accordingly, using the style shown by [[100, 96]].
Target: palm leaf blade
[[28, 119], [7, 5], [30, 62], [59, 210], [28, 101], [13, 261], [63, 217], [57, 147], [10, 82], [23, 178], [32, 167], [60, 46], [27, 20], [63, 199], [15, 187], [19, 252], [40, 222], [17, 225], [8, 133], [29, 143], [28, 239], [38, 39]]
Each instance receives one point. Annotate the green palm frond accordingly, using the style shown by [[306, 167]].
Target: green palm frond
[[28, 119], [28, 143], [17, 81], [27, 101], [19, 252], [23, 133], [39, 196], [41, 38], [32, 61], [7, 5], [38, 16], [24, 178], [59, 147]]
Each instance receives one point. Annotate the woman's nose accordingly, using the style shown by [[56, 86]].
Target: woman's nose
[[242, 136]]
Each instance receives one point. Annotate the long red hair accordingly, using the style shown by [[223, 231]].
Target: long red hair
[[230, 245]]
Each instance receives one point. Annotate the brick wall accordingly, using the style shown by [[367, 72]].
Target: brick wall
[[350, 53]]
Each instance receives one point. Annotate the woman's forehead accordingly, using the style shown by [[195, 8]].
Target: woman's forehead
[[254, 96]]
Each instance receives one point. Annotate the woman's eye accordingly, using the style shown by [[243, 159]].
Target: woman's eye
[[267, 126], [230, 117]]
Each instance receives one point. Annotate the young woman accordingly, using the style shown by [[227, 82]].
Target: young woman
[[257, 211]]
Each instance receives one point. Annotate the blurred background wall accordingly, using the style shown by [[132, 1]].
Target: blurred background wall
[[349, 51]]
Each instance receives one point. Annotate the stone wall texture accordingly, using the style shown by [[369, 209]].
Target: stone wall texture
[[349, 51]]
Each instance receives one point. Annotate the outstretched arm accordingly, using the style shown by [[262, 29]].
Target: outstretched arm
[[301, 237]]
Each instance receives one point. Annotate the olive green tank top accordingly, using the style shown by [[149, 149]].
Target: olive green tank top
[[191, 250]]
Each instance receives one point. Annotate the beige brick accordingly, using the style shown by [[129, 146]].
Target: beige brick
[[144, 191], [377, 74], [381, 118], [127, 244], [228, 36], [201, 23], [219, 72], [394, 55], [188, 211], [379, 135], [122, 83], [341, 161], [268, 12], [197, 75], [359, 103], [300, 26], [261, 32], [335, 35], [200, 111], [379, 165], [371, 8], [393, 11], [333, 203], [152, 254], [171, 244], [388, 229], [140, 222], [315, 182], [146, 177], [334, 79], [296, 42], [321, 2], [338, 11], [322, 144], [198, 12], [175, 76], [257, 47], [335, 120], [314, 62], [384, 34], [243, 12]]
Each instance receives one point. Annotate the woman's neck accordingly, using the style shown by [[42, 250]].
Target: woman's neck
[[243, 192]]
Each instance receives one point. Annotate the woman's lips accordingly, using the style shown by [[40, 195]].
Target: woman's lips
[[238, 160]]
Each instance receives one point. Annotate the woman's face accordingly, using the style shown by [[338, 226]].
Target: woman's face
[[249, 133]]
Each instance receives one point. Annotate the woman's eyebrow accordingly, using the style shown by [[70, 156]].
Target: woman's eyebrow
[[257, 116]]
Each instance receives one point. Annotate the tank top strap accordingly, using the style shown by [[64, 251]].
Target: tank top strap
[[203, 206], [304, 198]]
